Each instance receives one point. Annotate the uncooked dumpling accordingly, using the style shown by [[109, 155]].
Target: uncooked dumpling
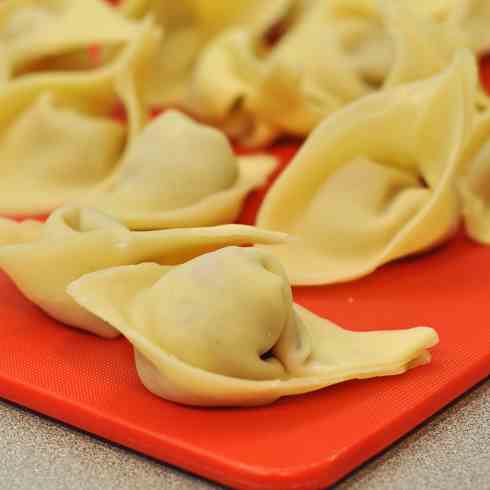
[[222, 330], [57, 136], [332, 53], [35, 34], [76, 241], [188, 25], [179, 173], [472, 17], [375, 181], [14, 232], [475, 183]]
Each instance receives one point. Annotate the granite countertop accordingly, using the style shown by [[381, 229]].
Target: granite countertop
[[450, 451]]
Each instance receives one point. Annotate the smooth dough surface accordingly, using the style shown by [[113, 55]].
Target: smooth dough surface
[[222, 330], [57, 33], [57, 136], [75, 241], [472, 17], [474, 184], [376, 181], [331, 54], [15, 232], [188, 25], [179, 173]]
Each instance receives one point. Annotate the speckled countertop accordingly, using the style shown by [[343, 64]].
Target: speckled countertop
[[450, 451]]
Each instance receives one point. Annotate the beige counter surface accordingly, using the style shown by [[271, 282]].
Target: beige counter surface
[[450, 451]]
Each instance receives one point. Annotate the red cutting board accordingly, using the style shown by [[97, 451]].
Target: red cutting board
[[302, 442]]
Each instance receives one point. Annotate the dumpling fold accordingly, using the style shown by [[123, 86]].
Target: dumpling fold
[[375, 181], [222, 330], [76, 241], [331, 54], [14, 232], [474, 184], [58, 139], [56, 34], [180, 173]]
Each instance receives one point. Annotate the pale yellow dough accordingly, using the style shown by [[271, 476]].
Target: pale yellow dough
[[14, 232], [179, 173], [222, 330], [57, 136], [38, 34], [332, 53], [188, 25], [474, 184], [376, 181], [76, 241], [472, 17]]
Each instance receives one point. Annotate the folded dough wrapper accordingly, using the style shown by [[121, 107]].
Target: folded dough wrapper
[[76, 241], [33, 32], [474, 184], [57, 136], [375, 181], [180, 173], [14, 232], [332, 53], [222, 330], [188, 25]]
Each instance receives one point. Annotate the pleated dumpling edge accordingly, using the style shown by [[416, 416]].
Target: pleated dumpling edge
[[375, 181]]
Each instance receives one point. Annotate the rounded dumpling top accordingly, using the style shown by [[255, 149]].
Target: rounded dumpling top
[[200, 311], [193, 161]]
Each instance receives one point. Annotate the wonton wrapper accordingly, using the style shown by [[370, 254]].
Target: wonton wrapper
[[188, 25], [33, 32], [179, 173], [475, 183], [222, 330], [376, 181], [57, 136], [76, 241], [14, 232], [333, 53]]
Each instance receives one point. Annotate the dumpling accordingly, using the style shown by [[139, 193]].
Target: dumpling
[[222, 330], [57, 137], [331, 54], [36, 34], [179, 173], [475, 183], [188, 25], [376, 181], [14, 232], [76, 241], [180, 43]]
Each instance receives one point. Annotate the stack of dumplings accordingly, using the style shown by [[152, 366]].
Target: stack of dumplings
[[118, 122]]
